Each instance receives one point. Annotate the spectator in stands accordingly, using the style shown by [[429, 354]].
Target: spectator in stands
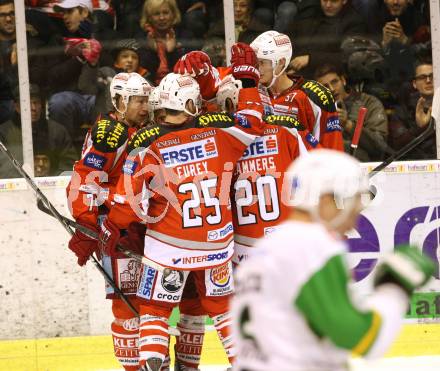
[[53, 150], [194, 16], [8, 58], [373, 142], [125, 59], [44, 16], [166, 39], [247, 26], [412, 116], [318, 39], [75, 58]]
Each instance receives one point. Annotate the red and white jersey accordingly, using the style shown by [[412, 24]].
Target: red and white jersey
[[259, 189], [180, 186], [95, 175], [313, 105], [308, 101]]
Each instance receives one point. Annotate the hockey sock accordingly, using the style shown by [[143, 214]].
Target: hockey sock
[[222, 324], [188, 347], [153, 341], [125, 335]]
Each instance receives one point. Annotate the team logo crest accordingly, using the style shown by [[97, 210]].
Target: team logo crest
[[220, 276], [173, 281]]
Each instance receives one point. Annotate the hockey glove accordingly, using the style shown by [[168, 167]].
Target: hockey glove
[[244, 65], [83, 246], [194, 63], [135, 237], [407, 267], [109, 238], [92, 51]]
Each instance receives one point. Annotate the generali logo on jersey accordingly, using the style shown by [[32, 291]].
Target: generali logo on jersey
[[189, 152], [262, 146]]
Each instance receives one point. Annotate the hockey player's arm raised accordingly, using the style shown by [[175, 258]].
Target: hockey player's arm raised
[[326, 304]]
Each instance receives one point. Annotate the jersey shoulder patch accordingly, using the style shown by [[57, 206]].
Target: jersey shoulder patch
[[216, 120], [319, 95], [144, 137], [108, 135], [284, 120]]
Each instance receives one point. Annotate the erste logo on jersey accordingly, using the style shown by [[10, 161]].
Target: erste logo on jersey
[[262, 146], [189, 152], [220, 276]]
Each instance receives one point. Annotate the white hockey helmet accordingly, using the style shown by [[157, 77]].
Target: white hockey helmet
[[154, 101], [273, 46], [176, 90], [229, 88], [325, 171], [127, 85]]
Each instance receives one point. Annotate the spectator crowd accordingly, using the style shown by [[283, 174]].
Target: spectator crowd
[[369, 53]]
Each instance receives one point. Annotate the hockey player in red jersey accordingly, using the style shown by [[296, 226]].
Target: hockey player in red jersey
[[258, 193], [190, 221], [307, 101], [94, 178]]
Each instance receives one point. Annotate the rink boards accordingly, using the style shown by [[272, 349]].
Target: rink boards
[[45, 295]]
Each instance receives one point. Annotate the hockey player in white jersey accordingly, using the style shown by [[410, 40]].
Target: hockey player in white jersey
[[292, 309]]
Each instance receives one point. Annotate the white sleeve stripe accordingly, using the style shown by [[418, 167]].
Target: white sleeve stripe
[[251, 112]]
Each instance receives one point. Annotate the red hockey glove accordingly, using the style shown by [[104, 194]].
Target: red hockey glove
[[193, 63], [92, 51], [109, 238], [134, 240], [244, 65], [73, 46], [83, 246], [86, 49]]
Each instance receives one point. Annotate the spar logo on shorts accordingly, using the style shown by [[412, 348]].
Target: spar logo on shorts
[[220, 276], [262, 146], [189, 152], [172, 281], [146, 285]]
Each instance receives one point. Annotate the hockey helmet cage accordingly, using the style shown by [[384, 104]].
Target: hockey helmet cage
[[176, 90]]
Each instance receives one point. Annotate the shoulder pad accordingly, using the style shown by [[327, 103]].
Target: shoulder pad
[[144, 137], [108, 135], [319, 95], [213, 119], [284, 120]]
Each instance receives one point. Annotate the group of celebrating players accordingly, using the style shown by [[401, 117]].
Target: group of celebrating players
[[191, 174]]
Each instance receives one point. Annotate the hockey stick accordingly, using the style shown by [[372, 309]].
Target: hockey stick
[[92, 234], [54, 212], [404, 150], [358, 130]]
